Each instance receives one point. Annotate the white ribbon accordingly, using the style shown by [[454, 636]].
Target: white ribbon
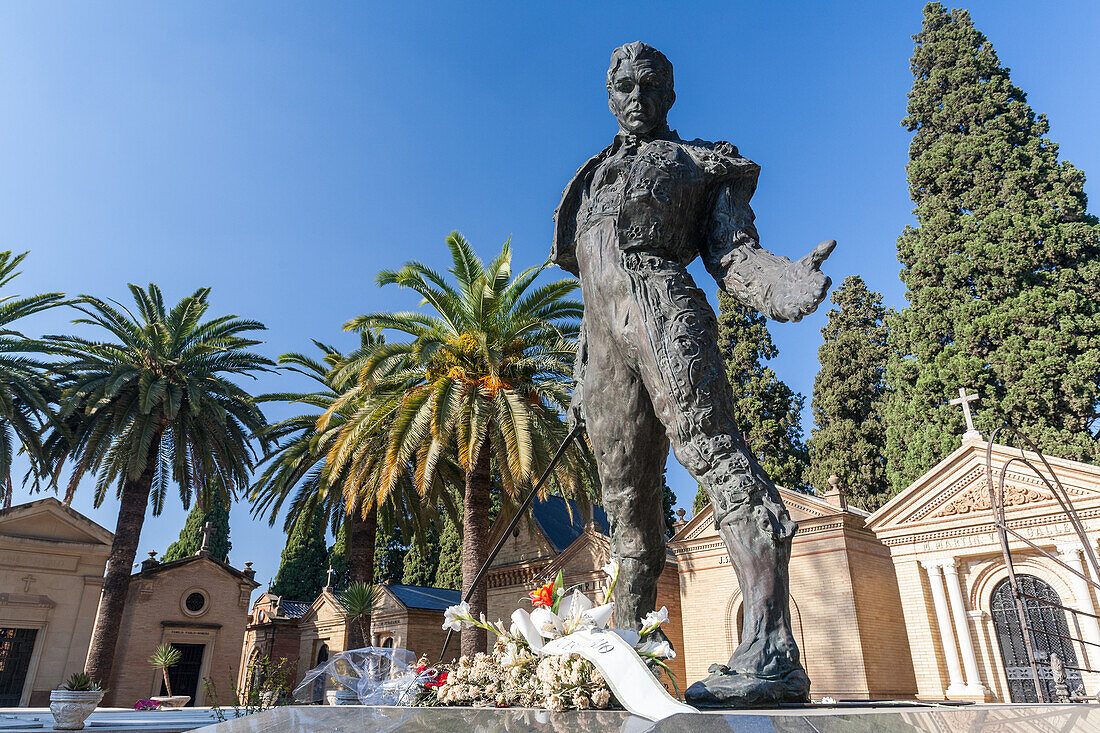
[[627, 675]]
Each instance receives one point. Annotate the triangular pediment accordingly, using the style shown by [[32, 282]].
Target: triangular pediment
[[590, 550], [801, 507], [956, 490], [324, 606], [48, 520]]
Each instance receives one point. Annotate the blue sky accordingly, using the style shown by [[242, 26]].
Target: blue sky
[[283, 153]]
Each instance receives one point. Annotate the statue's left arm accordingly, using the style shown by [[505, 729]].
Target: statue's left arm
[[775, 286]]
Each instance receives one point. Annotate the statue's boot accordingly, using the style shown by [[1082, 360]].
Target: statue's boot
[[765, 667]]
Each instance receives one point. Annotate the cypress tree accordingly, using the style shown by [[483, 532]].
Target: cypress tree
[[1002, 267], [448, 573], [389, 552], [767, 409], [422, 559], [190, 539], [668, 499], [700, 502], [304, 567], [849, 437]]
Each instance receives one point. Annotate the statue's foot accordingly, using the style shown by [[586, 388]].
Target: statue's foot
[[727, 689]]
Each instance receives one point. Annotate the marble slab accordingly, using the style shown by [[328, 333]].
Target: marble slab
[[871, 719]]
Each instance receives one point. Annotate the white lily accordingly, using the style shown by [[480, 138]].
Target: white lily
[[547, 622], [571, 611], [653, 620], [659, 649], [524, 626], [455, 617], [611, 568]]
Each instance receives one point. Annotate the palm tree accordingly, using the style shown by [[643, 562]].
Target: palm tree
[[296, 465], [150, 405], [483, 382], [24, 387]]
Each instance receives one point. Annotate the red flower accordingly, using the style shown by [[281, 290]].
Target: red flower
[[421, 668], [440, 680], [544, 596]]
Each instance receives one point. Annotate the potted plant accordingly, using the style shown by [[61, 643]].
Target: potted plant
[[74, 701], [166, 656]]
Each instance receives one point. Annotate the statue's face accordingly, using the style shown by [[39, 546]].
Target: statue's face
[[638, 97]]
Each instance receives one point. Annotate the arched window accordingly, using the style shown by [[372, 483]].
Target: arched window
[[1048, 631]]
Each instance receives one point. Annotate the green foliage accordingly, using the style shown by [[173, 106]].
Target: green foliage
[[165, 656], [25, 387], [304, 566], [389, 552], [700, 502], [767, 409], [422, 559], [1002, 266], [849, 437], [190, 539], [81, 682], [448, 572], [158, 395]]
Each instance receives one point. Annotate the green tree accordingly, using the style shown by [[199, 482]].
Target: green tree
[[767, 409], [303, 569], [849, 437], [297, 465], [1002, 267], [488, 373], [190, 539], [389, 552], [147, 402], [422, 559], [25, 387], [448, 572], [700, 502], [669, 503]]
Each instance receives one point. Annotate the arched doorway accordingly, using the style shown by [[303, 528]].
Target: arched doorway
[[1041, 617]]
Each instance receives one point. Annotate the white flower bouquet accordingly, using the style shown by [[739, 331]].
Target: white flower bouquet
[[528, 665]]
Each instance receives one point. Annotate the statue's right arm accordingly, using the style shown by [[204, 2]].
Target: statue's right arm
[[775, 286]]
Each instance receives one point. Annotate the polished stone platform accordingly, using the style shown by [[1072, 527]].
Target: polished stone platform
[[110, 720], [808, 719]]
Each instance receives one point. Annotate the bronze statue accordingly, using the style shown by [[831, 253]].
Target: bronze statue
[[649, 370]]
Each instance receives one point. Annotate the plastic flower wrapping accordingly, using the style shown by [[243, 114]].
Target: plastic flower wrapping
[[514, 673], [368, 676]]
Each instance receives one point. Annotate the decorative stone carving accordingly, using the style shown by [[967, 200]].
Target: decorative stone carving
[[71, 708], [976, 499]]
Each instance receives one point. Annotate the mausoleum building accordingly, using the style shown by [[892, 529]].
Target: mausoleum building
[[51, 574]]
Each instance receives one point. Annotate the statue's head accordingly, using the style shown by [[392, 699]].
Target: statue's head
[[639, 88]]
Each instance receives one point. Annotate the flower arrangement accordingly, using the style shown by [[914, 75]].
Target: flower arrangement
[[146, 705], [516, 673]]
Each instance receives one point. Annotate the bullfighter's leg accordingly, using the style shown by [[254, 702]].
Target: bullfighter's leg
[[684, 374], [630, 447]]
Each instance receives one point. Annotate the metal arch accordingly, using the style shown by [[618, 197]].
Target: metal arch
[[1000, 521]]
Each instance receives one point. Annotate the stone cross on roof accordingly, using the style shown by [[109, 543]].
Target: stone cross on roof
[[965, 399], [331, 572], [207, 530]]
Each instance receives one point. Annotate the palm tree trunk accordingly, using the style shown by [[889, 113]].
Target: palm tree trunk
[[116, 581], [361, 536], [475, 547]]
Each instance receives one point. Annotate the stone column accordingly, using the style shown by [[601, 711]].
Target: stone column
[[957, 686], [1090, 630], [974, 686]]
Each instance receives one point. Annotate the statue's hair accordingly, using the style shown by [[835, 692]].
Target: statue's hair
[[637, 51]]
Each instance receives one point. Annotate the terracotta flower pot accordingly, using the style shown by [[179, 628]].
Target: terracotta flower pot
[[71, 708]]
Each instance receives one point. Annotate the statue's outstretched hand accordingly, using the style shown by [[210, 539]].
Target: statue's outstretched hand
[[804, 285]]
